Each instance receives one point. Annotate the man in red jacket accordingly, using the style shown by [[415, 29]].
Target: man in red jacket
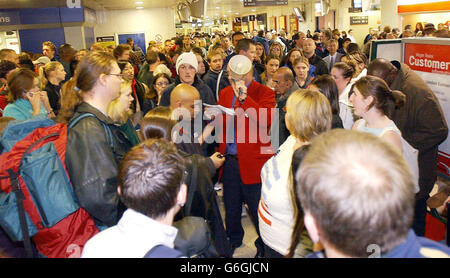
[[246, 144]]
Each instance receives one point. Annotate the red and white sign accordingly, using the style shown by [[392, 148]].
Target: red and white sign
[[428, 58], [432, 63]]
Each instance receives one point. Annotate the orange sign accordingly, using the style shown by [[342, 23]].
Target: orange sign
[[428, 58], [407, 6]]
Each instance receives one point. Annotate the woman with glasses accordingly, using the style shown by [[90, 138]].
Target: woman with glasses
[[153, 97], [95, 144]]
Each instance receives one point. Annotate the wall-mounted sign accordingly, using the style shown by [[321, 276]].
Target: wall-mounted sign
[[252, 17], [254, 3], [237, 20], [9, 18], [355, 10], [359, 20], [105, 39]]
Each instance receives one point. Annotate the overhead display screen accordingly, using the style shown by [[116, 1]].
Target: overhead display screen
[[259, 3]]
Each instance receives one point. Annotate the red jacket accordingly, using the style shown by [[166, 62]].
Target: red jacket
[[253, 118]]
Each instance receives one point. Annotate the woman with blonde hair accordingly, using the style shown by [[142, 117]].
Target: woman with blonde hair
[[52, 75], [301, 68], [308, 113], [95, 145], [119, 110], [277, 49]]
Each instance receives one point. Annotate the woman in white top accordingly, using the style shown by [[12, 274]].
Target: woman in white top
[[308, 113], [343, 73], [375, 103]]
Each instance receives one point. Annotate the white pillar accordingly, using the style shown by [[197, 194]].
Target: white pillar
[[389, 15]]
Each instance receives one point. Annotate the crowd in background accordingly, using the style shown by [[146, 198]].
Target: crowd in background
[[318, 82]]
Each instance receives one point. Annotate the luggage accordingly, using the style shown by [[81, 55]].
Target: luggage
[[37, 201]]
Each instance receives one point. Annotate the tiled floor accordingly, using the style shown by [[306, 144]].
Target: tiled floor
[[247, 249]]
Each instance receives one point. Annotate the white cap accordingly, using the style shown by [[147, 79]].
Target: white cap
[[187, 58], [240, 64], [42, 60]]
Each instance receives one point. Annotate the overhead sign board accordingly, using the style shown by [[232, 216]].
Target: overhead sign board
[[254, 3]]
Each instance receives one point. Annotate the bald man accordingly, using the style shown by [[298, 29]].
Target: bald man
[[421, 122], [284, 82], [183, 101], [309, 50]]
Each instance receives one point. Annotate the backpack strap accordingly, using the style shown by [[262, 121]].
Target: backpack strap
[[162, 251], [108, 132], [218, 83], [192, 186], [20, 197]]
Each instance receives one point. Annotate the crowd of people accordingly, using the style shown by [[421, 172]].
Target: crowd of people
[[247, 113]]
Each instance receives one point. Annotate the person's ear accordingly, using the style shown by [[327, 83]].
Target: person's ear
[[311, 227], [102, 79]]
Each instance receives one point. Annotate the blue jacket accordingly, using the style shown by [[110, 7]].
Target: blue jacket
[[21, 109], [210, 79]]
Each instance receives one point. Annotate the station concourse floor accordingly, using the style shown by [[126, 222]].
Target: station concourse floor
[[247, 249]]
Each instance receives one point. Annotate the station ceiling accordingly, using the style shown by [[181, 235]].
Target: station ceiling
[[215, 8]]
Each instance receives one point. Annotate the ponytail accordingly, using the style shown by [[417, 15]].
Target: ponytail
[[70, 99], [45, 71]]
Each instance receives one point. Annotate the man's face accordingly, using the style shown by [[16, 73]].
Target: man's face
[[236, 39], [216, 63], [301, 39], [309, 47], [125, 55], [131, 43], [251, 53], [332, 47], [280, 85], [201, 65], [187, 41], [225, 42], [192, 105], [187, 73], [47, 51]]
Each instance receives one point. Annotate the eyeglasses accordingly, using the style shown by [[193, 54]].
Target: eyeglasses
[[162, 84], [120, 76]]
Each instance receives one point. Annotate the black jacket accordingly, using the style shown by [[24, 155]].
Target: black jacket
[[54, 96], [210, 79], [92, 165], [320, 64], [206, 95]]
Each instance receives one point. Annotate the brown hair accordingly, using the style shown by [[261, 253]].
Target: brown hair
[[88, 71], [384, 99], [348, 70], [375, 206], [152, 57], [120, 49], [150, 177], [50, 44], [19, 82], [157, 123]]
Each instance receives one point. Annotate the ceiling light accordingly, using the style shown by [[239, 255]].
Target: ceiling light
[[218, 8], [139, 8], [139, 3]]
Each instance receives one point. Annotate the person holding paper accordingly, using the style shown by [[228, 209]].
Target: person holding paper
[[245, 142]]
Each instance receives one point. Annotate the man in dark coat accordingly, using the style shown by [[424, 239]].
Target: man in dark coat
[[421, 122]]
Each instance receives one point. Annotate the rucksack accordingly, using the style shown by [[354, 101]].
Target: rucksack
[[37, 200]]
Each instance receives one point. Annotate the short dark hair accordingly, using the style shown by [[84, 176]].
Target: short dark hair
[[244, 45], [120, 49], [327, 86], [129, 40], [152, 57], [6, 67], [150, 177]]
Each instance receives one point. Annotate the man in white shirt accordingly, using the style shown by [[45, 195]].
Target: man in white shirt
[[334, 56], [151, 185]]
